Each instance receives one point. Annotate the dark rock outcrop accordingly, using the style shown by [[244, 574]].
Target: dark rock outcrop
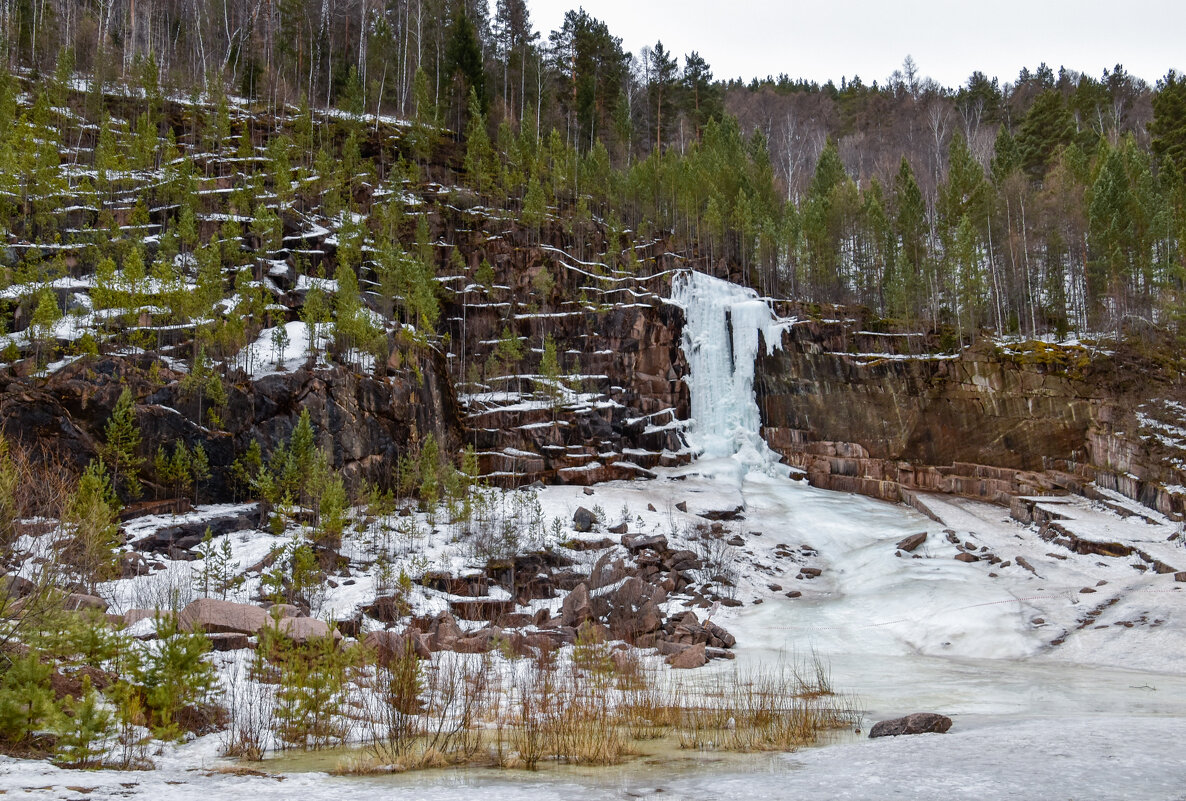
[[365, 421], [917, 723]]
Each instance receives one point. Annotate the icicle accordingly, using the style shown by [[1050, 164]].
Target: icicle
[[722, 322]]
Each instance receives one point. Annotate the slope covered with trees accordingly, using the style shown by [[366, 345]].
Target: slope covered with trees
[[1051, 203]]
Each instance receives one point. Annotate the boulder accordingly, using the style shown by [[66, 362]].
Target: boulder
[[639, 542], [214, 616], [689, 658], [132, 564], [913, 541], [77, 601], [917, 723], [605, 572], [303, 629], [445, 632], [228, 641], [134, 616], [718, 633], [280, 611], [575, 609], [488, 609], [590, 545], [387, 609], [389, 646], [15, 586], [724, 514], [583, 520]]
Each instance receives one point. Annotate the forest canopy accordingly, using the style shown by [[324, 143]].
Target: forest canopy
[[1054, 202]]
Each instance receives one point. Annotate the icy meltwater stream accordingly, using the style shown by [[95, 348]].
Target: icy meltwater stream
[[900, 635]]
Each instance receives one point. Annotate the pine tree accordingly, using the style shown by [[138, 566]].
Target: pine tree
[[663, 71], [41, 326], [119, 452], [331, 512], [478, 152], [549, 368], [92, 515], [1047, 127], [1168, 126], [535, 207], [26, 699], [82, 742], [176, 674], [199, 469]]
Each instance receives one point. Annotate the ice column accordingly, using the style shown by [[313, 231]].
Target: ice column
[[720, 342]]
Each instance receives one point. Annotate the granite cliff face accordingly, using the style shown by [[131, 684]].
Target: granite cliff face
[[858, 412]]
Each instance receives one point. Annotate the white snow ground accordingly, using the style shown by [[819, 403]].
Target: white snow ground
[[1055, 693]]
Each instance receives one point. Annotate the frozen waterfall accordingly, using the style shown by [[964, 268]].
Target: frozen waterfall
[[720, 342]]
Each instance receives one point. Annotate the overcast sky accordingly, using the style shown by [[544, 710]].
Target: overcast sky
[[827, 39]]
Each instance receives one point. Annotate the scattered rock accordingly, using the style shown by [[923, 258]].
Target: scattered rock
[[588, 490], [132, 565], [735, 541], [724, 514], [590, 545], [576, 610], [913, 541], [488, 609], [389, 646], [638, 542], [651, 507], [966, 557], [216, 617], [1180, 576], [583, 520], [444, 632], [682, 506], [228, 641], [1087, 590], [794, 594], [621, 528], [279, 611], [692, 657], [134, 616], [918, 723], [77, 601], [15, 586]]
